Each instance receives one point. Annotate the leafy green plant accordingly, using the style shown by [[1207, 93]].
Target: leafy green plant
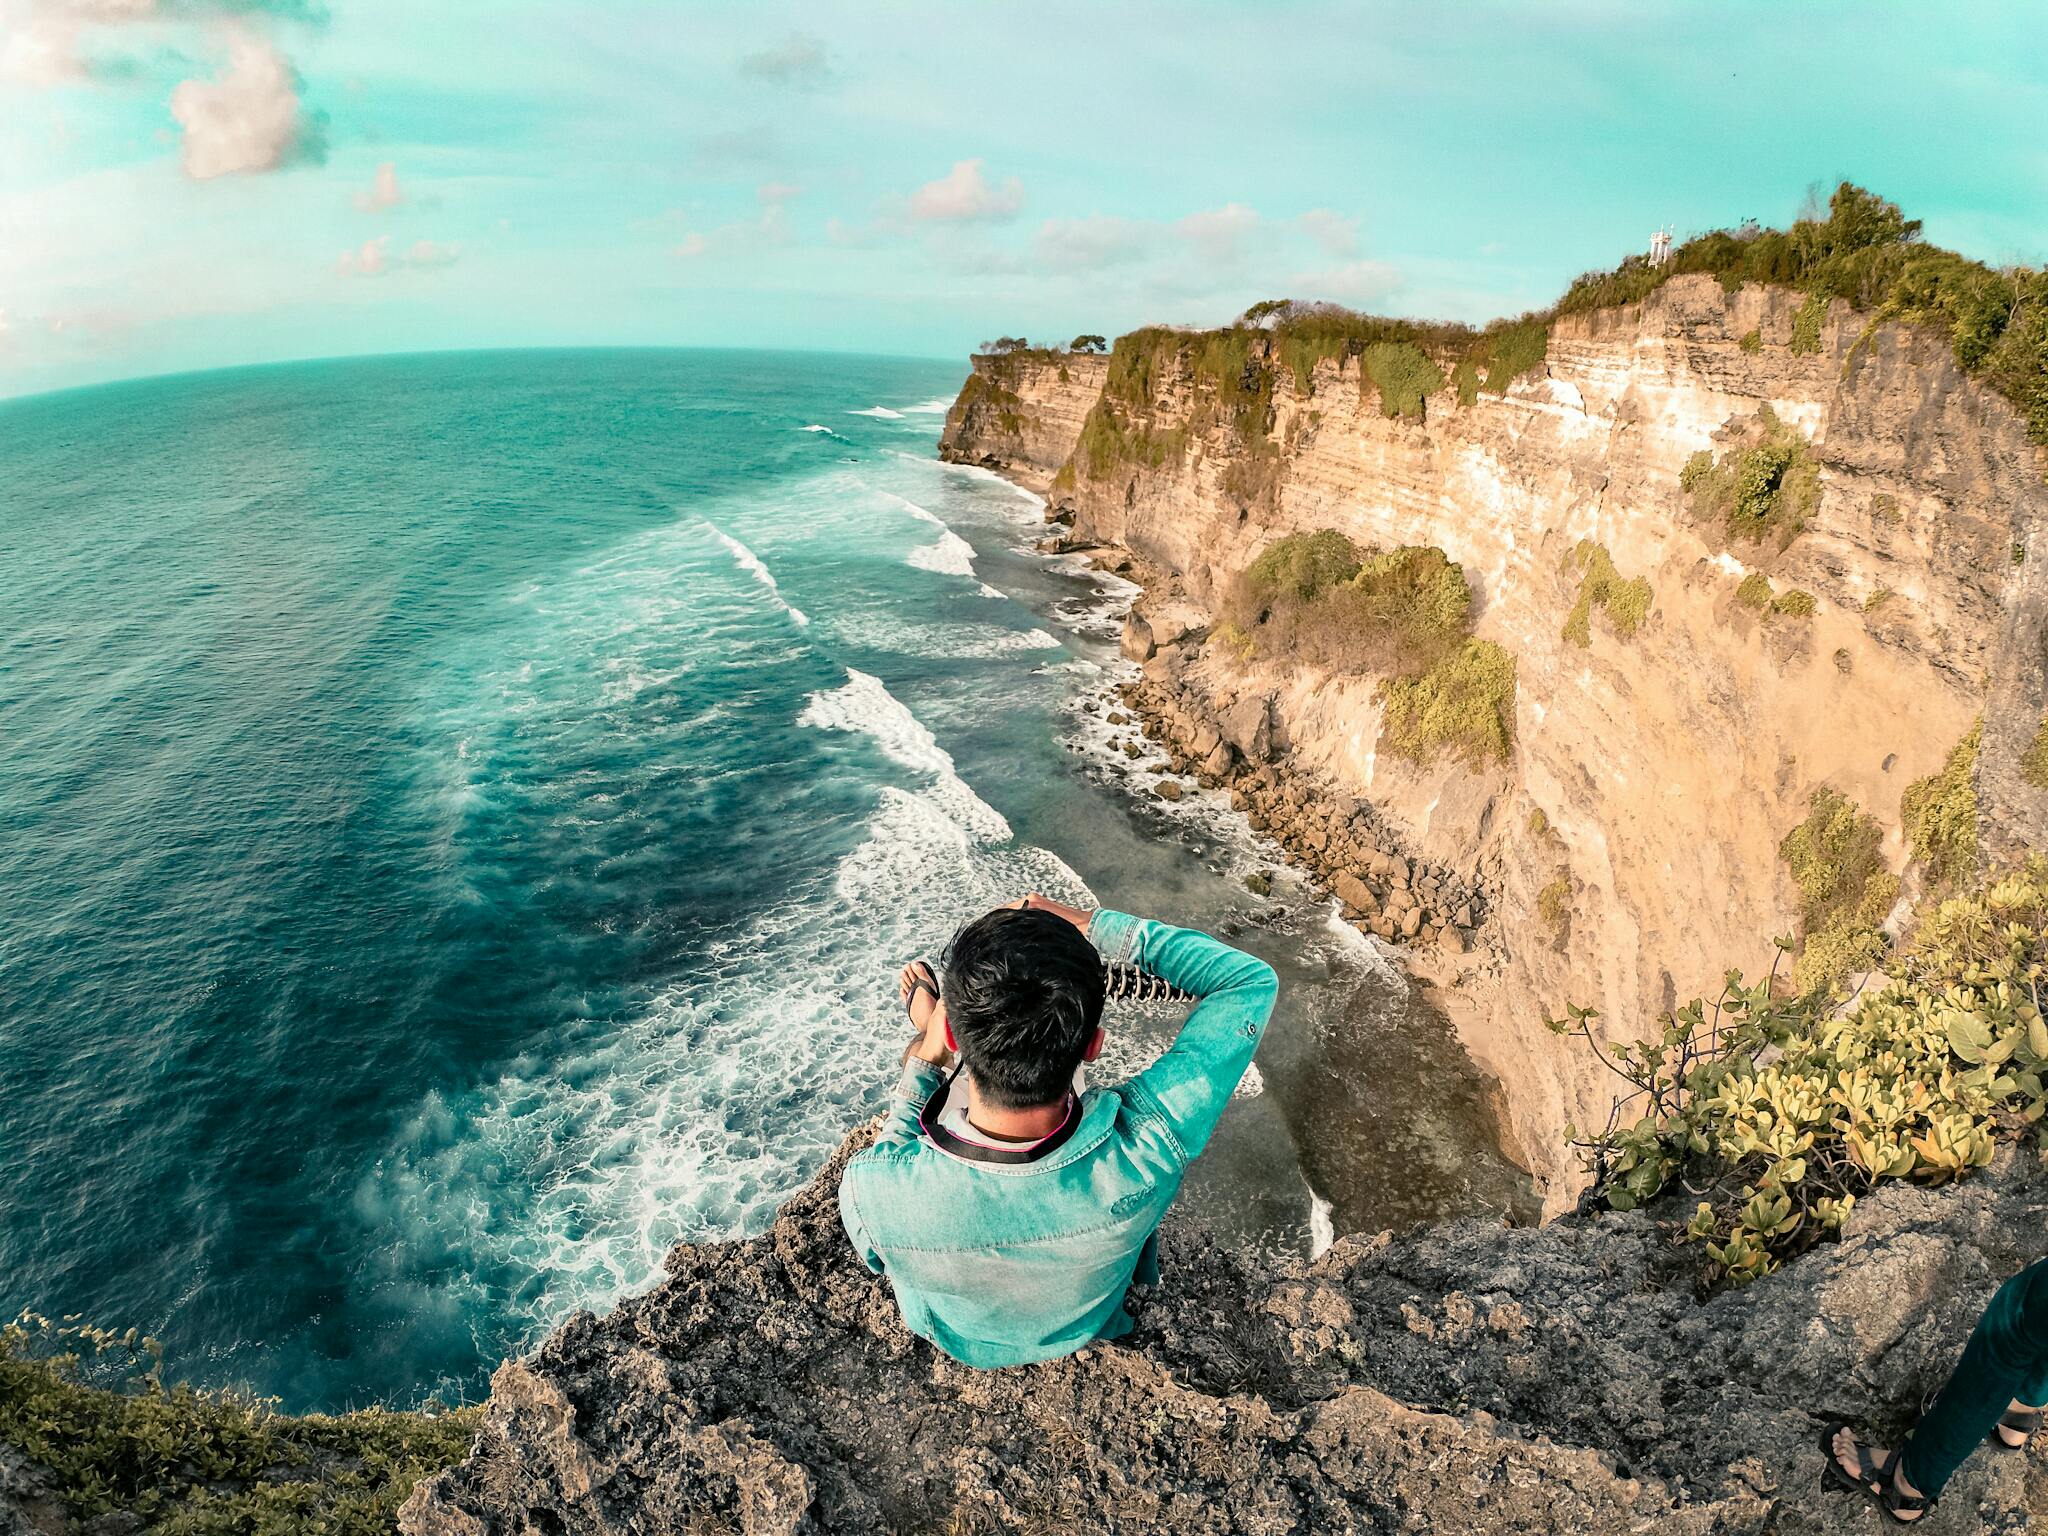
[[1782, 1109], [1464, 704], [1807, 321], [2034, 761], [1796, 602], [1554, 901], [1755, 592], [1940, 812], [1752, 340], [194, 1463], [1626, 603], [1837, 860], [1314, 597], [1403, 375], [1765, 489], [1877, 599]]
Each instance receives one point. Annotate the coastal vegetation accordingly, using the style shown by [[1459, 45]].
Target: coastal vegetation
[[1403, 614], [1861, 251], [1764, 490], [1624, 602], [1836, 857], [1782, 1107], [1939, 813], [1865, 252], [90, 1407]]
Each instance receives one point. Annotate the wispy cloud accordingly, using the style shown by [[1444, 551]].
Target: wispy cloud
[[246, 119], [384, 191], [1220, 236], [964, 195], [799, 61], [1334, 232], [768, 228], [1093, 243], [373, 258]]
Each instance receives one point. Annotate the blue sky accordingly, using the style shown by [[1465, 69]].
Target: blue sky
[[193, 183]]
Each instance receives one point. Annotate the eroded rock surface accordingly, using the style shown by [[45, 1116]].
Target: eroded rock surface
[[1469, 1378]]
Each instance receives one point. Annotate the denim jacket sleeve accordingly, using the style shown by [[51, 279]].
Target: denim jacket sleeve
[[920, 1080], [1190, 1084]]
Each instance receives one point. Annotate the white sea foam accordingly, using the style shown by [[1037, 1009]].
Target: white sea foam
[[1322, 1229], [957, 642], [951, 556], [750, 562], [934, 407], [880, 412], [815, 427]]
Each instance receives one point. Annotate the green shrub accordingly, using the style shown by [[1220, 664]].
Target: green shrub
[[1625, 603], [2034, 761], [1752, 341], [1755, 592], [1302, 566], [1311, 597], [1845, 892], [1465, 704], [1764, 489], [1539, 823], [1554, 901], [193, 1463], [1940, 813], [1403, 374], [1807, 321], [1798, 603], [1877, 599], [1786, 1108]]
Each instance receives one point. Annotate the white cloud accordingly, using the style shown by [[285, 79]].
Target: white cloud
[[963, 195], [798, 60], [373, 257], [770, 228], [384, 191], [425, 255], [245, 119], [1220, 236], [1334, 232], [40, 39], [1353, 282], [1090, 244]]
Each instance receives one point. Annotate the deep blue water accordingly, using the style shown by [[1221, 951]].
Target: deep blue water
[[460, 817]]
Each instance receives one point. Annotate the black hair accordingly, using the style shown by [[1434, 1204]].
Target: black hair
[[1023, 991]]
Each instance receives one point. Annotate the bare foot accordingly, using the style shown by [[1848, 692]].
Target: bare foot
[[1849, 1456], [918, 990]]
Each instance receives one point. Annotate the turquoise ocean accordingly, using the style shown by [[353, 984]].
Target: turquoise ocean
[[460, 817]]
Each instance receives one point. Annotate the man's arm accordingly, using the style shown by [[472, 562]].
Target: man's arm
[[1191, 1083]]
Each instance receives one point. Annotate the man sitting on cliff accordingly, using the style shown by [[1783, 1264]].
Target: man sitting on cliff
[[1010, 1212]]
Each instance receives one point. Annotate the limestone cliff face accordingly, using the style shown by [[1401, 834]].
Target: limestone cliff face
[[1023, 413], [1668, 766]]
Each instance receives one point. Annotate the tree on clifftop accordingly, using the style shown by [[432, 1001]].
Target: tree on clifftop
[[1088, 344], [1003, 346]]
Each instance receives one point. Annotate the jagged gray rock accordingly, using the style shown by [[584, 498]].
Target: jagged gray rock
[[1468, 1378]]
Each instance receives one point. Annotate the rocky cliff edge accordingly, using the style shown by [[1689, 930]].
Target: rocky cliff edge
[[1467, 1378]]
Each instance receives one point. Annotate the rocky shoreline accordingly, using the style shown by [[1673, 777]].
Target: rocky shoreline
[[1342, 844]]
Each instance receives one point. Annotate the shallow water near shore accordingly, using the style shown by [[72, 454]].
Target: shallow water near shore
[[463, 815]]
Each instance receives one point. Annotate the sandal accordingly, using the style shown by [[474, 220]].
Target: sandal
[[2025, 1422], [921, 980], [1874, 1479]]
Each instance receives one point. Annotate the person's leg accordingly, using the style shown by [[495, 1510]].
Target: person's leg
[[2006, 1358]]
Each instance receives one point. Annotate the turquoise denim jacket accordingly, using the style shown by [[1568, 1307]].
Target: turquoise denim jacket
[[1006, 1264]]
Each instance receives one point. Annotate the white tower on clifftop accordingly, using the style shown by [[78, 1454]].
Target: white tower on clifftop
[[1660, 247]]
